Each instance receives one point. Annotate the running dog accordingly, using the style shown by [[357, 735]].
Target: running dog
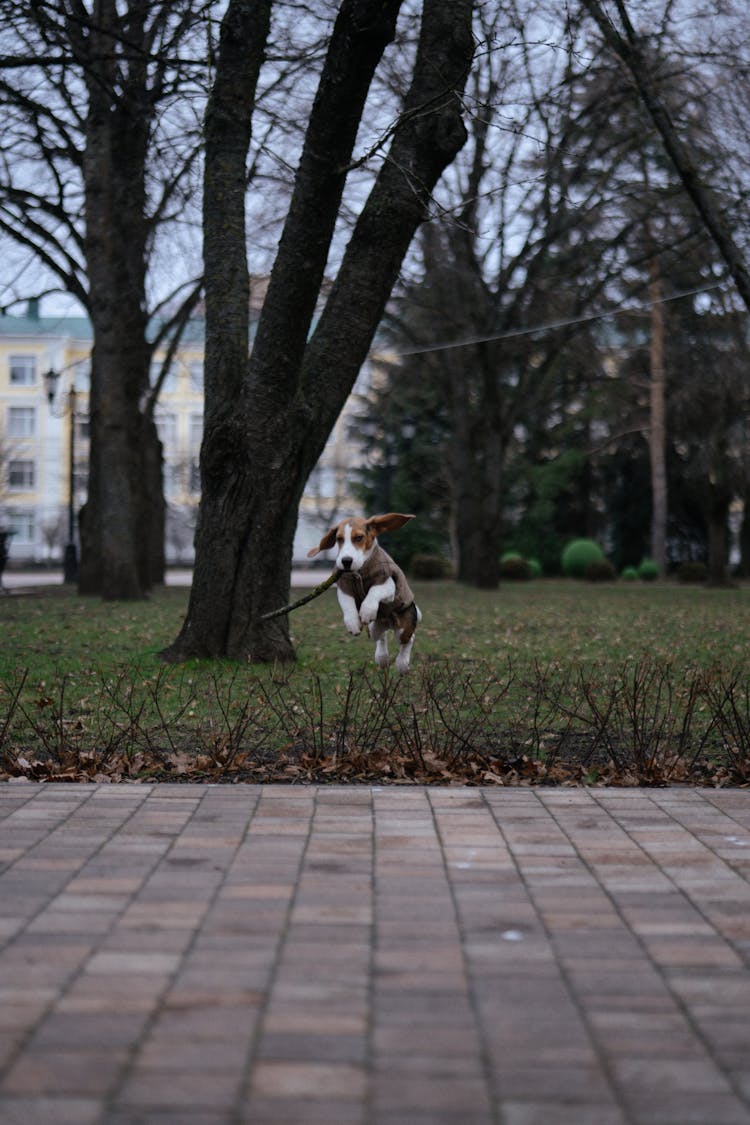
[[371, 588]]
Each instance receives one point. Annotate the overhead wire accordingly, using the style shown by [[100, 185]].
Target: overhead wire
[[551, 326]]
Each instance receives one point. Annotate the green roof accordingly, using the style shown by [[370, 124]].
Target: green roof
[[77, 327]]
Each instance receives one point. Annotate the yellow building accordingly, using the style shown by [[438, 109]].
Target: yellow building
[[35, 434], [35, 441]]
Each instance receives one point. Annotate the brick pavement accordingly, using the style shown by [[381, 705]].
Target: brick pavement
[[196, 955]]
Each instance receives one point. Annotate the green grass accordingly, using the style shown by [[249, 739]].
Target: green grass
[[484, 664], [57, 632]]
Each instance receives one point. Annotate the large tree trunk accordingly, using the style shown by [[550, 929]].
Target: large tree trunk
[[657, 425], [717, 517], [477, 401], [151, 506], [718, 497], [477, 517], [478, 453], [119, 515], [267, 421]]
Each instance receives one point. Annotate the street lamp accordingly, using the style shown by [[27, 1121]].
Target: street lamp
[[70, 560]]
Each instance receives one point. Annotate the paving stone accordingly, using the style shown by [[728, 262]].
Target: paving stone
[[216, 1091], [315, 1081], [85, 1071], [373, 956], [42, 1110]]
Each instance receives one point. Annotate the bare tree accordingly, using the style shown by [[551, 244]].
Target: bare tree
[[633, 52], [267, 419], [533, 233], [98, 154]]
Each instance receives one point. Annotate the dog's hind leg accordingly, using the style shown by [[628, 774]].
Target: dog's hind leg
[[407, 623], [403, 658], [379, 634]]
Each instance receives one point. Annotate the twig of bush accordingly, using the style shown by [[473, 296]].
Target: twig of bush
[[646, 723]]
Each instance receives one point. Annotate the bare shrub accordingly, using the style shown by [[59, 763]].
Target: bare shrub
[[644, 723]]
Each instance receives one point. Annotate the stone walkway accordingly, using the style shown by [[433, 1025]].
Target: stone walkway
[[196, 955]]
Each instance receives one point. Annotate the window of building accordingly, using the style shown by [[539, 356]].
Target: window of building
[[83, 375], [166, 425], [21, 421], [81, 476], [172, 479], [196, 430], [196, 375], [23, 526], [22, 370], [21, 475]]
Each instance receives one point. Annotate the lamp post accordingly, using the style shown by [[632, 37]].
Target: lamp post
[[70, 559]]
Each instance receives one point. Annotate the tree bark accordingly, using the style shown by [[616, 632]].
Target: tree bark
[[717, 516], [478, 520], [124, 468], [657, 424], [478, 452], [267, 424]]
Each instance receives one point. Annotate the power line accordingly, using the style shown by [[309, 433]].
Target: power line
[[554, 324]]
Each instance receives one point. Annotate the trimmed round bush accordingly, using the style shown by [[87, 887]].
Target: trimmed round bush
[[515, 568], [577, 555], [648, 571], [629, 573], [430, 566], [600, 570], [692, 572], [537, 570]]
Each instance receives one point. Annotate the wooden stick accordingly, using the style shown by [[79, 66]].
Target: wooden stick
[[302, 601]]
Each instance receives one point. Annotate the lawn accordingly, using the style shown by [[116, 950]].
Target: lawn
[[542, 681]]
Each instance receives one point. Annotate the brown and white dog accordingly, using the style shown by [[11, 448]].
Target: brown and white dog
[[371, 588]]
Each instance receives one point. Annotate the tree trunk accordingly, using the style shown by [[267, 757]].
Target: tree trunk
[[717, 517], [478, 453], [118, 519], [152, 507], [478, 529], [268, 422], [657, 427], [477, 465]]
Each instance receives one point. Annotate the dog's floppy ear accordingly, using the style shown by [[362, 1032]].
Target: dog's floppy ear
[[325, 544], [391, 521]]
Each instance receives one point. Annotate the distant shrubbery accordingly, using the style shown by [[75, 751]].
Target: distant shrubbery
[[577, 555], [648, 571], [600, 570], [692, 572], [430, 566], [515, 567]]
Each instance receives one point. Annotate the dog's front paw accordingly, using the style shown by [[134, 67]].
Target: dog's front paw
[[368, 611], [353, 624]]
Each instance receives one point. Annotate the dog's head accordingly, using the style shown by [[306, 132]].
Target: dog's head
[[355, 538]]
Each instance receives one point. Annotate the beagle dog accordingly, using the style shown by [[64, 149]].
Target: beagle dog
[[371, 588]]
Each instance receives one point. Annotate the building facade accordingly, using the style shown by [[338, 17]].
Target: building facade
[[42, 484]]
